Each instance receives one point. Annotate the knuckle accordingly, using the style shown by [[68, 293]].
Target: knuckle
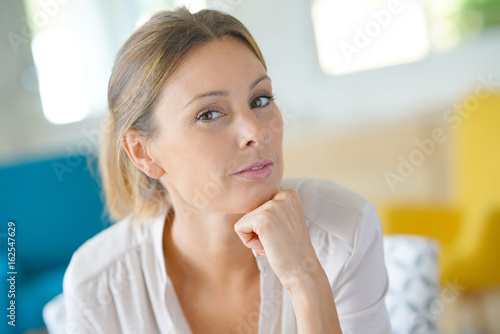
[[289, 192], [265, 219], [293, 193]]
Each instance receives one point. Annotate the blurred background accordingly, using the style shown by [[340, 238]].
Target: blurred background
[[396, 100]]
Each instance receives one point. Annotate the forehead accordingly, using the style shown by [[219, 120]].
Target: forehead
[[222, 64]]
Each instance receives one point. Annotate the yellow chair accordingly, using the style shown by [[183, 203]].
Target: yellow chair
[[438, 222], [475, 255], [469, 228]]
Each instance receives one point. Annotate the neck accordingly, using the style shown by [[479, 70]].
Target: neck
[[205, 248]]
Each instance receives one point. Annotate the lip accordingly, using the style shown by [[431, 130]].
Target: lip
[[256, 164], [265, 171]]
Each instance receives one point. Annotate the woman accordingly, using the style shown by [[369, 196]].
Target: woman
[[210, 238]]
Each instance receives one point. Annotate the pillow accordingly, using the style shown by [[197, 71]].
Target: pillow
[[413, 271]]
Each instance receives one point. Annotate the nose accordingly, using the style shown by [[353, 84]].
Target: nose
[[251, 132]]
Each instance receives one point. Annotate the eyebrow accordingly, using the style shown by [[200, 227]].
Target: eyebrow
[[225, 92]]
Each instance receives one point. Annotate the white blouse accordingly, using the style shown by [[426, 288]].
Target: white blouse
[[117, 281]]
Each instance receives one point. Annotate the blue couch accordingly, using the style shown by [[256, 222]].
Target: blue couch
[[56, 205]]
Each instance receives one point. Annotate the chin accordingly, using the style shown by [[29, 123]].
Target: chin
[[250, 198]]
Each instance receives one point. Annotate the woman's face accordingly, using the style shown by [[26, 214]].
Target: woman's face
[[217, 117]]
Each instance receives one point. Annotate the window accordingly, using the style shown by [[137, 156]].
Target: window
[[357, 35], [74, 44]]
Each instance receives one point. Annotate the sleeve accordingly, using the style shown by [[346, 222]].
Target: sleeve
[[361, 287]]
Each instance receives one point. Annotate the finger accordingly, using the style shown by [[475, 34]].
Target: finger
[[285, 193], [245, 230], [255, 243], [258, 253]]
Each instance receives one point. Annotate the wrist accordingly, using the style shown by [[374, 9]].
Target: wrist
[[306, 277], [313, 304]]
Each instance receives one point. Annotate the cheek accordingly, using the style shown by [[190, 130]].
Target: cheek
[[193, 171], [206, 176], [175, 152], [274, 128], [196, 158]]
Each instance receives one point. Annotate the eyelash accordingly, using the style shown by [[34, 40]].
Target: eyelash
[[265, 95]]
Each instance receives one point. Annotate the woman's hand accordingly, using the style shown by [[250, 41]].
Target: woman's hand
[[277, 230]]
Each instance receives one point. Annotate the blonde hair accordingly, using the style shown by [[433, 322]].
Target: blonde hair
[[142, 66]]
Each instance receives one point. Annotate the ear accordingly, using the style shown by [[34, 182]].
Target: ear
[[137, 150]]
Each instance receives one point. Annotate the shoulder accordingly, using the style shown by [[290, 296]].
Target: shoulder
[[98, 254], [333, 209]]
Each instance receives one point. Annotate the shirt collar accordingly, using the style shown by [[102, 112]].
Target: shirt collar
[[156, 228]]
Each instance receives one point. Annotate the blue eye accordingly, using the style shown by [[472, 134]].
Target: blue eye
[[261, 101], [208, 116]]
